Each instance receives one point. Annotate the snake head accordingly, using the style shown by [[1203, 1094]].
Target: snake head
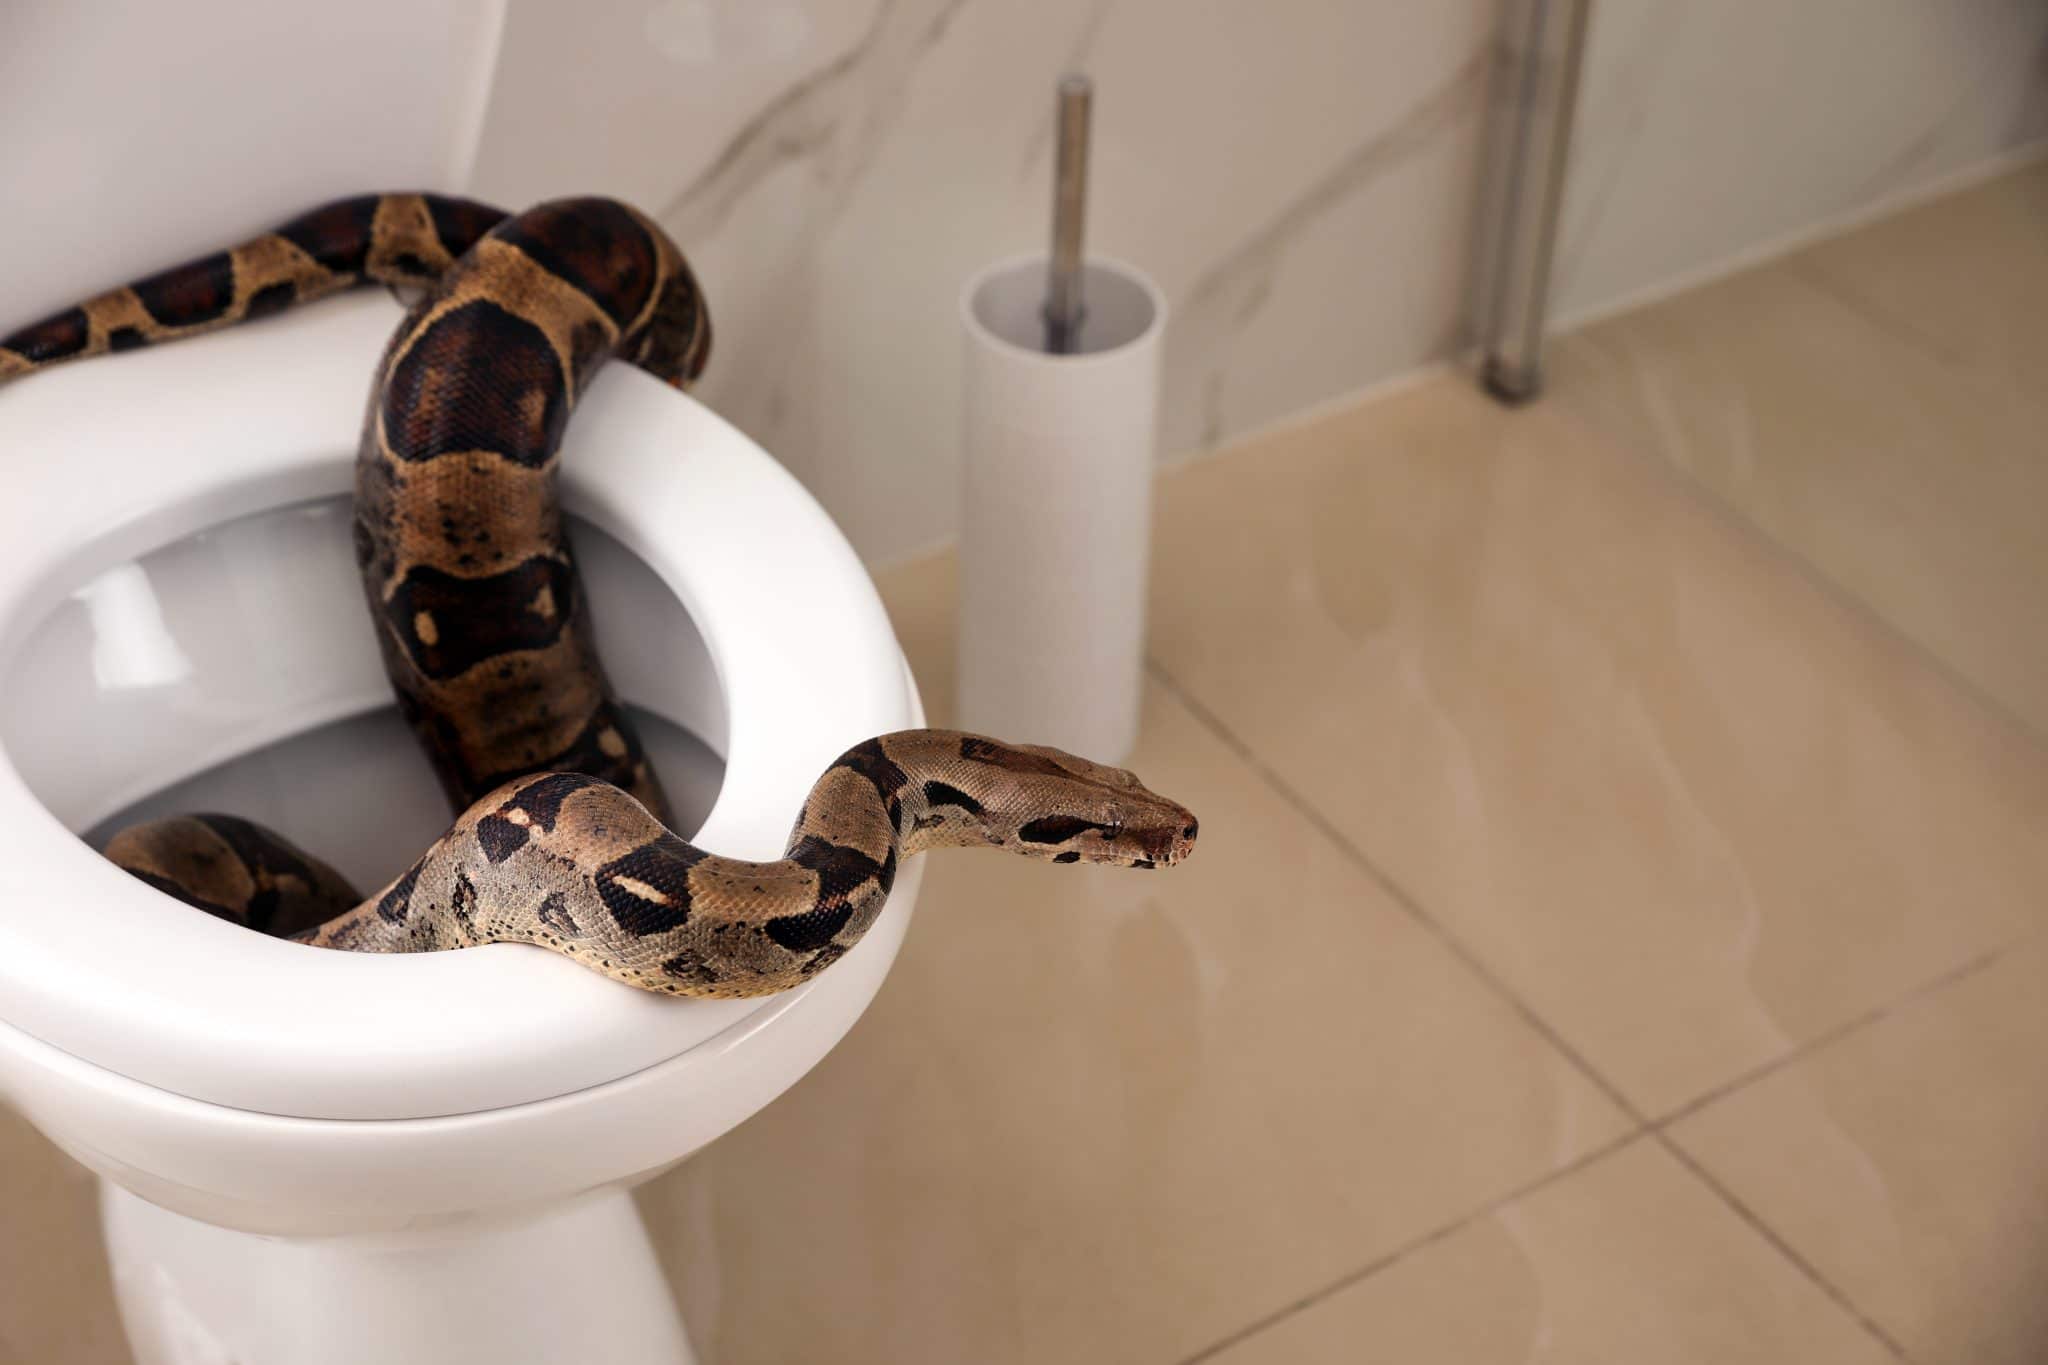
[[1049, 804]]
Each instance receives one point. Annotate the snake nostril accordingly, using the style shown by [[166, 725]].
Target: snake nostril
[[1189, 832]]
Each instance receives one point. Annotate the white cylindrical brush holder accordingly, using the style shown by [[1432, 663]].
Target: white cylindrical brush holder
[[1057, 514]]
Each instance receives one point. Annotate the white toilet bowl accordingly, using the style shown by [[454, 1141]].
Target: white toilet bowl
[[318, 1156]]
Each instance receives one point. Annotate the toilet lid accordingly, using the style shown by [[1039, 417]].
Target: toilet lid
[[109, 459]]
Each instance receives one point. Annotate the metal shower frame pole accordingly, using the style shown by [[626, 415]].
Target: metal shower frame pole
[[1534, 94]]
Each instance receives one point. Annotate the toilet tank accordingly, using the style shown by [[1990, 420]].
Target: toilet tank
[[140, 134]]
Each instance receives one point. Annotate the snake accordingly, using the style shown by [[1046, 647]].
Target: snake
[[561, 836]]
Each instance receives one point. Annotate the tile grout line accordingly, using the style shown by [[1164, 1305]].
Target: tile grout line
[[1660, 1129], [1900, 329], [1694, 491], [1873, 314], [1821, 1041], [1398, 893], [1639, 1125], [1414, 1245], [1643, 1125], [1784, 1248]]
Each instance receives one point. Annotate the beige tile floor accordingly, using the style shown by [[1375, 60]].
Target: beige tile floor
[[1615, 935], [1878, 403]]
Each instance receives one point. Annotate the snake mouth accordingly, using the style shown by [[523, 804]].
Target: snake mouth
[[1169, 846]]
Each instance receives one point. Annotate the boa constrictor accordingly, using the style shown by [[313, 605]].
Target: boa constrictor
[[562, 838]]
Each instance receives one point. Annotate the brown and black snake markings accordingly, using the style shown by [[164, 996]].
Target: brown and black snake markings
[[562, 838]]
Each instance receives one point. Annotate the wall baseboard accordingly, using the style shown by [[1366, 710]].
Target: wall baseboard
[[1776, 248]]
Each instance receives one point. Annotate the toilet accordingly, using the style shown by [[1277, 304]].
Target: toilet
[[311, 1156]]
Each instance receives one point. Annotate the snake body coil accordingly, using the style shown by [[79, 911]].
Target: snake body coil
[[486, 635]]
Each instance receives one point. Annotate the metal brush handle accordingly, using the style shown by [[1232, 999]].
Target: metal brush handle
[[1063, 305]]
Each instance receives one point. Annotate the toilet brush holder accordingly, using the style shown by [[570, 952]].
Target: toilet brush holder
[[1057, 507]]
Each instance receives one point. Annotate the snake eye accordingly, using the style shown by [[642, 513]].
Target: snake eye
[[1116, 826]]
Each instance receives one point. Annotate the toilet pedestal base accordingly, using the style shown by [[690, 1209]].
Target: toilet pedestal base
[[572, 1283]]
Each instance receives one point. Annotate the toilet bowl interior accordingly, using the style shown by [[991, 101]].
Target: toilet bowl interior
[[234, 670]]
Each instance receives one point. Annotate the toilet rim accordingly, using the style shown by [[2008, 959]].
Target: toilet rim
[[157, 444]]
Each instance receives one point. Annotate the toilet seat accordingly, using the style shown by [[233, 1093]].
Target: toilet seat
[[109, 459]]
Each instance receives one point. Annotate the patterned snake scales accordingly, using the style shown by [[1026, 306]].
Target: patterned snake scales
[[562, 838]]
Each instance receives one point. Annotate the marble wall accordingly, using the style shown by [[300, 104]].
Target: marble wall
[[1710, 134], [1294, 173], [1297, 174]]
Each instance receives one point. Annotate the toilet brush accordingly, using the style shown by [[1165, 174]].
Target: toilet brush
[[1059, 420]]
